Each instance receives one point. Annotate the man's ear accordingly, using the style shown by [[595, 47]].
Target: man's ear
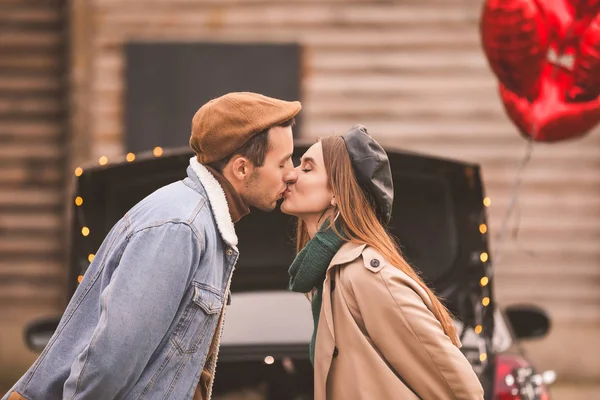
[[241, 168]]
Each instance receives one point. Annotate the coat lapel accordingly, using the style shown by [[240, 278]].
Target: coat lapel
[[326, 335], [347, 253]]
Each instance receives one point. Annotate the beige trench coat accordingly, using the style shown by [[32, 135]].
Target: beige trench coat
[[378, 339]]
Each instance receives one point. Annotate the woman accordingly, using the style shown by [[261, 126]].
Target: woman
[[380, 333]]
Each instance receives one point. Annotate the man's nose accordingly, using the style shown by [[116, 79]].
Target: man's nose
[[291, 176]]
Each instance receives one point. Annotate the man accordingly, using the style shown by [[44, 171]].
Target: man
[[147, 317]]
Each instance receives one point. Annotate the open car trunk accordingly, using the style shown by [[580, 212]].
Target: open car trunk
[[437, 214]]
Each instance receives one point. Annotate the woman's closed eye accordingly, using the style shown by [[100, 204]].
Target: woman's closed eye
[[306, 164]]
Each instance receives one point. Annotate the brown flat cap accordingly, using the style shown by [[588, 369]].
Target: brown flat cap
[[226, 123]]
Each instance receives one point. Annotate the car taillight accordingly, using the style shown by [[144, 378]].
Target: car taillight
[[515, 380]]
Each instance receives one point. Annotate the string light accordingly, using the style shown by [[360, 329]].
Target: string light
[[487, 201], [269, 360], [78, 201], [484, 281], [103, 160], [158, 151], [79, 278], [91, 257], [130, 157], [78, 171], [85, 231]]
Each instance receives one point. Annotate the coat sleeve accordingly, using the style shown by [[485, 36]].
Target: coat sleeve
[[137, 309], [410, 337]]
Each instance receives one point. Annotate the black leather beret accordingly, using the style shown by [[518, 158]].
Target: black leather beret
[[371, 166]]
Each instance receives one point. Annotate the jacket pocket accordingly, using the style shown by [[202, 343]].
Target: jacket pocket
[[198, 319], [209, 301]]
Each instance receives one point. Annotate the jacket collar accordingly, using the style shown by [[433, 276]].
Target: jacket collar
[[237, 207], [218, 202], [347, 253]]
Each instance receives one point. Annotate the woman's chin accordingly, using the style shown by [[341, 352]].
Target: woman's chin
[[285, 208]]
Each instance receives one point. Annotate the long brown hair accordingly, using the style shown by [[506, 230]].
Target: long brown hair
[[359, 222]]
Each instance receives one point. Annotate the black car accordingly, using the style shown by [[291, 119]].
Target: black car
[[439, 217]]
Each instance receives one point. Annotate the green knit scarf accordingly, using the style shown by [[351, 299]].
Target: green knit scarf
[[309, 268]]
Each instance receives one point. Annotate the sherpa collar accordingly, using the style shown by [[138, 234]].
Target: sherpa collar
[[218, 202]]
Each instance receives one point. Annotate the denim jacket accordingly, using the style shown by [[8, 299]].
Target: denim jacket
[[141, 322]]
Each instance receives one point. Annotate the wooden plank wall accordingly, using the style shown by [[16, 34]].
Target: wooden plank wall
[[413, 72], [32, 136], [32, 129]]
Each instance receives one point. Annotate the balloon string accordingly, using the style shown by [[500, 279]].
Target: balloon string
[[514, 201]]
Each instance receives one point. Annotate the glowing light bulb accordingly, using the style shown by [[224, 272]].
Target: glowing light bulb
[[130, 157], [103, 160], [85, 231], [78, 171], [78, 201], [269, 360], [158, 151]]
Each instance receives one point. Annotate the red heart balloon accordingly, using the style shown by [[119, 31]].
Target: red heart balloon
[[514, 40], [586, 72], [550, 118], [549, 77]]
